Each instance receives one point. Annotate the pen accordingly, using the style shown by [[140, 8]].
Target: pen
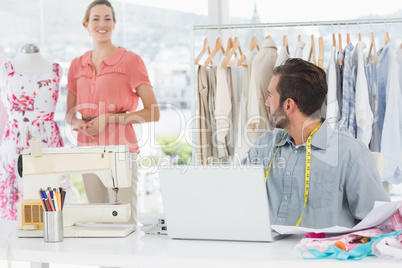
[[63, 197], [58, 195], [47, 204], [56, 205], [44, 199], [50, 200], [56, 192], [41, 199]]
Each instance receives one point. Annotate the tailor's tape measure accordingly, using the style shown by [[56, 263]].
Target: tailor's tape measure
[[307, 171]]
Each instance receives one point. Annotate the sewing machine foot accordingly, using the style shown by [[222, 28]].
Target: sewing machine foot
[[116, 190]]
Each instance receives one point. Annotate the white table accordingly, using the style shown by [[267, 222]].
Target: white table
[[140, 250]]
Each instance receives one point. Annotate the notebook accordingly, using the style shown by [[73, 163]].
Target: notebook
[[216, 203]]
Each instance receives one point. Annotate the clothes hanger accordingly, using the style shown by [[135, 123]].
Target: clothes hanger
[[228, 46], [298, 41], [218, 46], [333, 40], [386, 37], [321, 53], [347, 35], [253, 45], [312, 50], [285, 40], [204, 48], [360, 36], [268, 36], [237, 43], [285, 43], [299, 35], [372, 46], [235, 46]]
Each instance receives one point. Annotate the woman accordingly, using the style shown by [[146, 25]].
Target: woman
[[105, 85]]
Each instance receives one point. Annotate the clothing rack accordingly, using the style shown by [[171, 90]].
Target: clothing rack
[[264, 26], [295, 24]]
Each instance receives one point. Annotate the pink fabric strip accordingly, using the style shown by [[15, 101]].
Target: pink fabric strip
[[396, 219]]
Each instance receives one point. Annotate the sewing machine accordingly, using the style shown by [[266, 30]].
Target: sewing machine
[[51, 166]]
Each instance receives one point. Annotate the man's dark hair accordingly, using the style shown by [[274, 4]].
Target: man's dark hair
[[303, 82]]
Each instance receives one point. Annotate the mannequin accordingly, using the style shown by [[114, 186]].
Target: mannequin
[[31, 62], [30, 86], [3, 113]]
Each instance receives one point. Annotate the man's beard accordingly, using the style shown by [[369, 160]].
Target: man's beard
[[279, 119]]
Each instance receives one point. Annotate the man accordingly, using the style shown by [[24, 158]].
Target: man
[[339, 182]]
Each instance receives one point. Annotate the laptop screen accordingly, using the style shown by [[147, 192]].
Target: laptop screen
[[219, 203]]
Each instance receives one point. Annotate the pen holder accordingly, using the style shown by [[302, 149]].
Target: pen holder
[[53, 226]]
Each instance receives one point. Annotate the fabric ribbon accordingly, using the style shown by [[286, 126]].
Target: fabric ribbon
[[357, 253]]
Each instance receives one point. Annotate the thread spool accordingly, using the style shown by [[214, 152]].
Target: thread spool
[[34, 145]]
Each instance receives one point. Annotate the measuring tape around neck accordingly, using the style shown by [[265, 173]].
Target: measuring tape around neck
[[307, 172]]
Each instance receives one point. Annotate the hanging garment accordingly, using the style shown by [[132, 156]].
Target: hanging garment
[[299, 50], [223, 107], [332, 101], [261, 73], [243, 140], [364, 115], [230, 117], [282, 57], [372, 83], [203, 129], [382, 84], [235, 88], [211, 106], [347, 123], [30, 102], [399, 61], [339, 81], [391, 139]]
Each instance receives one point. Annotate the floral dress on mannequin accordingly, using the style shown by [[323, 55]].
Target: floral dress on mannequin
[[30, 102]]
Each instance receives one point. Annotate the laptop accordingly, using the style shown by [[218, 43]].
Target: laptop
[[216, 203]]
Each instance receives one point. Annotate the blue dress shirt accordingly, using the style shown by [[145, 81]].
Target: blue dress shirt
[[344, 181]]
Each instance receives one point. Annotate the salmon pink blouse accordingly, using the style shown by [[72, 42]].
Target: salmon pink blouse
[[112, 89]]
